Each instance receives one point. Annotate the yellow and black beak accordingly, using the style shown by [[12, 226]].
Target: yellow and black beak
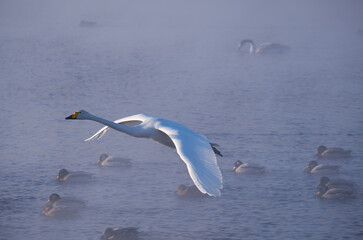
[[73, 116]]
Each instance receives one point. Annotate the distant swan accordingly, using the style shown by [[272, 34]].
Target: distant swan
[[333, 152], [61, 207], [129, 233], [335, 193], [336, 183], [188, 191], [240, 167], [85, 23], [77, 176], [106, 160], [314, 167], [263, 47], [197, 152]]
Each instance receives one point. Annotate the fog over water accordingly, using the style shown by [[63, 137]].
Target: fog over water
[[180, 60]]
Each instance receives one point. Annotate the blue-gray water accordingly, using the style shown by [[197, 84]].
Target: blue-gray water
[[179, 60]]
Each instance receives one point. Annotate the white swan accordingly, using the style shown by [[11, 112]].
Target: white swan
[[336, 183], [267, 47], [335, 193], [129, 233], [333, 152], [314, 167], [62, 207], [194, 149], [249, 168], [106, 160], [74, 176]]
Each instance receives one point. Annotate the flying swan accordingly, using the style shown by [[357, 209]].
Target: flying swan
[[197, 152], [267, 47]]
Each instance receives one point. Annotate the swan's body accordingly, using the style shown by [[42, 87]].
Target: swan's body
[[129, 233], [61, 207], [314, 167], [188, 191], [194, 149], [335, 193], [106, 160], [267, 47], [74, 176], [333, 152], [336, 183], [248, 168]]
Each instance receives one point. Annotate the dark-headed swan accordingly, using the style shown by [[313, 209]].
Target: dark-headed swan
[[334, 183], [62, 207], [129, 233], [197, 152], [333, 152], [314, 167], [73, 176], [263, 47]]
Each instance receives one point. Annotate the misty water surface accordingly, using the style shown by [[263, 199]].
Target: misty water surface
[[179, 60]]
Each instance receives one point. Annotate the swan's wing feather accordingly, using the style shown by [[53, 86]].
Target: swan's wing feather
[[98, 134], [128, 121], [195, 150]]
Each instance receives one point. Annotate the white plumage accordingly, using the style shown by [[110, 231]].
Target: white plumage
[[314, 167], [194, 149]]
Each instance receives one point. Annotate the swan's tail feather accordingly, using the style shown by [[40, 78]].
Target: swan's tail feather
[[98, 134]]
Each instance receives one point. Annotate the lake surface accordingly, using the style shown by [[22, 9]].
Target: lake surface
[[180, 62]]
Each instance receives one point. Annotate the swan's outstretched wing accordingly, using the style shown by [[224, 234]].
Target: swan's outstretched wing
[[128, 121], [196, 151]]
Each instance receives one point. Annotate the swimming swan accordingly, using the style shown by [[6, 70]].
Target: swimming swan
[[129, 233], [62, 207], [240, 167], [106, 160], [314, 167], [336, 183], [74, 176], [334, 152], [194, 149], [267, 47]]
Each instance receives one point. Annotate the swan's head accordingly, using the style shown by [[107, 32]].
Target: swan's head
[[184, 191], [62, 174], [247, 41], [107, 233], [102, 158], [320, 150], [53, 198], [181, 187], [311, 165], [81, 114], [236, 165], [323, 180]]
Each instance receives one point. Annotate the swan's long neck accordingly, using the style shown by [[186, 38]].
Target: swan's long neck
[[250, 42], [133, 131]]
